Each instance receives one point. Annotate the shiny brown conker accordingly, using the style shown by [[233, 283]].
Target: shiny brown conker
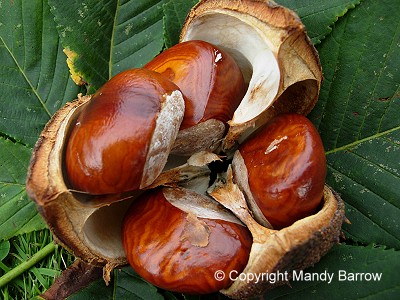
[[213, 86], [208, 76], [179, 251], [114, 145], [286, 169]]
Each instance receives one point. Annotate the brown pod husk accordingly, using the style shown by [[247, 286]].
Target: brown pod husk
[[296, 247], [270, 45], [73, 220]]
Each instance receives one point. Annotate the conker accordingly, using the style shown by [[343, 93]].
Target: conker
[[286, 167], [121, 139], [179, 250], [212, 84]]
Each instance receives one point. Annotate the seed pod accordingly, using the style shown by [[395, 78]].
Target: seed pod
[[271, 47], [295, 247]]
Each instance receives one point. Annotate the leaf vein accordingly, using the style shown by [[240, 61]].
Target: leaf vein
[[391, 46], [15, 196], [374, 164], [357, 68], [359, 183]]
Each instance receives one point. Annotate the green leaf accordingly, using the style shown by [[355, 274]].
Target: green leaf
[[358, 118], [96, 290], [344, 261], [319, 15], [109, 36], [34, 82], [372, 201], [4, 249], [129, 285], [126, 285], [34, 79], [18, 214], [174, 16]]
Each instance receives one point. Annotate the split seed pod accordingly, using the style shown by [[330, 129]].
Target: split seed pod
[[271, 47], [76, 218], [296, 247]]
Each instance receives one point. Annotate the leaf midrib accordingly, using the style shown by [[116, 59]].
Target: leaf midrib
[[357, 142], [110, 64], [42, 103], [7, 183]]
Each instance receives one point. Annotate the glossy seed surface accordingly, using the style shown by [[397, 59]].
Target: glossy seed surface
[[179, 252], [209, 78], [108, 144], [286, 168]]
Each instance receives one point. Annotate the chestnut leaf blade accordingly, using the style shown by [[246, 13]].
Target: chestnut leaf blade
[[370, 188], [360, 95], [17, 213], [319, 16], [34, 79], [344, 262], [109, 37], [126, 284], [130, 285], [358, 117], [175, 13]]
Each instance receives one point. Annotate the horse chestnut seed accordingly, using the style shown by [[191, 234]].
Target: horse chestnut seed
[[179, 250], [286, 167], [213, 86], [121, 138]]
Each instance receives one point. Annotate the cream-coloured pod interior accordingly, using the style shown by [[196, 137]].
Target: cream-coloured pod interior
[[251, 50], [69, 215]]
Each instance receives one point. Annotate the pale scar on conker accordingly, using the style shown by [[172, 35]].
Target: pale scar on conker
[[180, 251], [110, 143], [285, 167]]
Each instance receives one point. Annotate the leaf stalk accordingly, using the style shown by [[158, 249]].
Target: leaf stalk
[[28, 264]]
